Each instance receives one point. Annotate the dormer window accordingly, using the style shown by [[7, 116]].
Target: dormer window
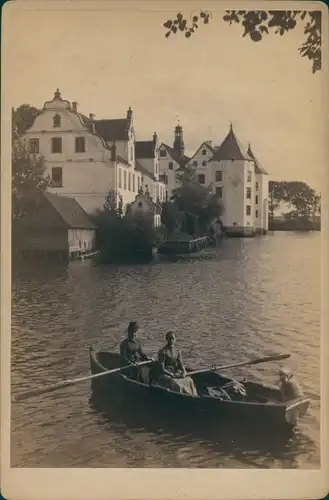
[[163, 153], [204, 152], [56, 121]]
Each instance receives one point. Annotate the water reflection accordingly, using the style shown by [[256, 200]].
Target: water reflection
[[230, 304], [251, 447]]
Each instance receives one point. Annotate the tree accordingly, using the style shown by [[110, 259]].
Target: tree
[[302, 199], [258, 23], [28, 179], [23, 118], [170, 216], [185, 175], [28, 170], [113, 203], [198, 202], [275, 197]]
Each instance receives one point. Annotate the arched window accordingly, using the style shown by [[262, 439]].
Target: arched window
[[56, 121]]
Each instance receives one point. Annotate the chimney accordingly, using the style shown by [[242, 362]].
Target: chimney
[[91, 117], [129, 113], [113, 152], [75, 106], [155, 138], [209, 143]]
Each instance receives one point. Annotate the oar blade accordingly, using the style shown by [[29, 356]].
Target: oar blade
[[37, 392], [265, 359]]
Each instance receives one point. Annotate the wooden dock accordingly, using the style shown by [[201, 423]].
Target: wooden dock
[[183, 246]]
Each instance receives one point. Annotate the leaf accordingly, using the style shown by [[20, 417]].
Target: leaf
[[195, 19], [263, 29], [182, 25], [188, 34], [255, 36], [168, 34], [168, 24], [174, 29]]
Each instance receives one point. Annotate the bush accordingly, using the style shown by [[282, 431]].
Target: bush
[[124, 239]]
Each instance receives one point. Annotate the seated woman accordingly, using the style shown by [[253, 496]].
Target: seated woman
[[132, 351], [289, 387], [173, 373]]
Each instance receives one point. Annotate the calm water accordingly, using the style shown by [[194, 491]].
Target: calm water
[[250, 298]]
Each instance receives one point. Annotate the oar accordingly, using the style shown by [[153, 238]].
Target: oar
[[66, 383], [275, 357]]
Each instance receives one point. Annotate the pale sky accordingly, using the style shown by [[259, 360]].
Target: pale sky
[[108, 56]]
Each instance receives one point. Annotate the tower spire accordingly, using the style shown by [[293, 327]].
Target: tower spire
[[179, 140]]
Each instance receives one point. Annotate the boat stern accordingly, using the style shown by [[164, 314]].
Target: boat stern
[[295, 410]]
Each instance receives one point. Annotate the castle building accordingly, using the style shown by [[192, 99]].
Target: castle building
[[232, 172], [86, 158]]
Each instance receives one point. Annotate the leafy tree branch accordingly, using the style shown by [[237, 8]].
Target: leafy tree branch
[[258, 23]]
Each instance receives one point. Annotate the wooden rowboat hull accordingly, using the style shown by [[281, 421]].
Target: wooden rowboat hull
[[263, 407]]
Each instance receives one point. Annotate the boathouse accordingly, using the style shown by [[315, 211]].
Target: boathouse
[[56, 229]]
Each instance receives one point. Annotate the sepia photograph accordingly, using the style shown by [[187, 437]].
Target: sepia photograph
[[163, 210]]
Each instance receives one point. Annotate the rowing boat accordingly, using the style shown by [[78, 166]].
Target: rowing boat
[[246, 402]]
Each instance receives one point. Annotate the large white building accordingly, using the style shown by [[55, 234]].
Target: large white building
[[86, 158], [232, 172]]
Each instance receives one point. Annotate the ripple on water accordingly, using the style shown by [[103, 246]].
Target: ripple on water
[[253, 297]]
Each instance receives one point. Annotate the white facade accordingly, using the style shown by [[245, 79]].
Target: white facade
[[168, 167], [147, 162], [236, 177], [79, 161], [261, 202], [237, 192], [200, 163]]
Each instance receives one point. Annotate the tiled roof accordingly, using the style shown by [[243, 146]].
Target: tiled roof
[[70, 211], [113, 130], [181, 160], [258, 168], [143, 170], [231, 149], [144, 149]]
